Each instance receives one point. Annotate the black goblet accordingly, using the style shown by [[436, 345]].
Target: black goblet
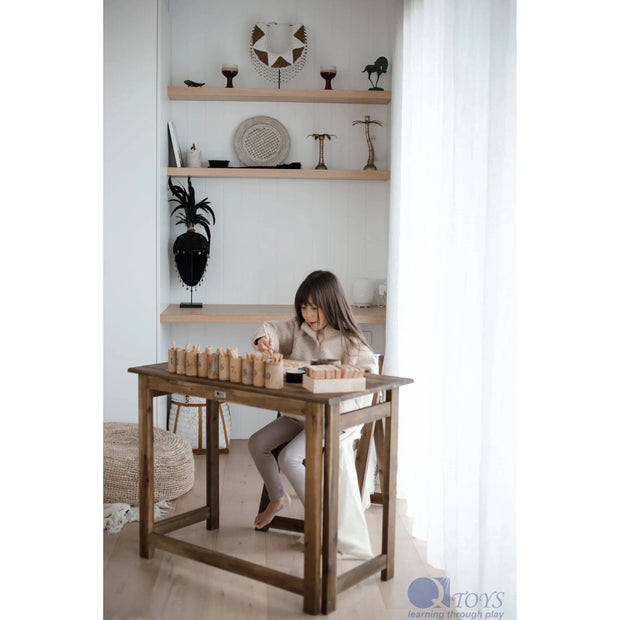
[[328, 74], [229, 72]]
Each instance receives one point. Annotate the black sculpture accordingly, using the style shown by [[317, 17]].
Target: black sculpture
[[194, 84], [191, 249], [380, 67]]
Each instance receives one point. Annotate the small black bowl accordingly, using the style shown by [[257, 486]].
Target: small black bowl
[[219, 163], [295, 375]]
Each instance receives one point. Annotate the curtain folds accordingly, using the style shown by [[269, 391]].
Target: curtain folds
[[451, 322]]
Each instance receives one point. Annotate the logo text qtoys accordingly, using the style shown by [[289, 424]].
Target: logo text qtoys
[[433, 593]]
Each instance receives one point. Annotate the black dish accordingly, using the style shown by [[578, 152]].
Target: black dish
[[295, 375]]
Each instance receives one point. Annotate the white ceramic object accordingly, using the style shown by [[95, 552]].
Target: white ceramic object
[[193, 159], [382, 293], [363, 292]]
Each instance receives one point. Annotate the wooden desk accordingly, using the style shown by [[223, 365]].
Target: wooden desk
[[320, 582]]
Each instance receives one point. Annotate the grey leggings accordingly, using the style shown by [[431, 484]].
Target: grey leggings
[[263, 441]]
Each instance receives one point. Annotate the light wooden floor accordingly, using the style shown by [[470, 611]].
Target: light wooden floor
[[170, 587]]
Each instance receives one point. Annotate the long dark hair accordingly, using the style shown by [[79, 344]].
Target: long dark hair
[[326, 292]]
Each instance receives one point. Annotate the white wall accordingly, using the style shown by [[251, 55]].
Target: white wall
[[347, 33], [130, 200]]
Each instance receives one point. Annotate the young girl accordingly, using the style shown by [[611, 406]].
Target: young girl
[[323, 328]]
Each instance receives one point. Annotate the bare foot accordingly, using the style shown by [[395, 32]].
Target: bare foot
[[264, 518]]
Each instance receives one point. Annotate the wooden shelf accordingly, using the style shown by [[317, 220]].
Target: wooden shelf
[[281, 173], [288, 95], [248, 313]]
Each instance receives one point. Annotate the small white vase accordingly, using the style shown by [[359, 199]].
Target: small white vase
[[363, 292], [193, 159]]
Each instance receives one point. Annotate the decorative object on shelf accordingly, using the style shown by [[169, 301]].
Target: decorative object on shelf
[[363, 292], [294, 165], [262, 141], [229, 72], [174, 151], [193, 157], [191, 249], [380, 67], [370, 164], [219, 163], [321, 138], [193, 84], [278, 51], [382, 294], [328, 74]]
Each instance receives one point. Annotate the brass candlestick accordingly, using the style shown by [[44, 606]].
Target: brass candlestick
[[321, 138], [370, 165]]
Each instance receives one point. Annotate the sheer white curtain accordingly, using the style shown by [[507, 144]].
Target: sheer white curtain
[[451, 292]]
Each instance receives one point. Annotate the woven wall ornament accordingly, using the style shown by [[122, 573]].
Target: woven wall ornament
[[281, 66]]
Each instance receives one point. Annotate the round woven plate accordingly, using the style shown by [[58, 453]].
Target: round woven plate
[[262, 141]]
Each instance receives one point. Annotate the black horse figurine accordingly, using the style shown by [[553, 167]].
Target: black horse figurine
[[380, 67]]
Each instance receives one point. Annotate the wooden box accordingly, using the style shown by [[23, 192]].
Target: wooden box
[[323, 386]]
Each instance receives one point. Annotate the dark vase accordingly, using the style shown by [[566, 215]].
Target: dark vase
[[191, 253]]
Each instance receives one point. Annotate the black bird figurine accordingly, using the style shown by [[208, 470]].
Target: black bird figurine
[[380, 67], [190, 83]]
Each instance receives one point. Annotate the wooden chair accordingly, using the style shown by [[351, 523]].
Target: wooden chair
[[362, 448]]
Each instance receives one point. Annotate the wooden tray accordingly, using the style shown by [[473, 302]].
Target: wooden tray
[[323, 386]]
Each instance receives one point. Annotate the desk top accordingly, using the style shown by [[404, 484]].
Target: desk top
[[292, 391]]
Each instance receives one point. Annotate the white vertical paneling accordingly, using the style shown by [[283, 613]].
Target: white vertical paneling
[[267, 229], [348, 33]]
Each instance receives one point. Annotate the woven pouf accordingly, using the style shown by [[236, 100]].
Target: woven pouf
[[173, 463]]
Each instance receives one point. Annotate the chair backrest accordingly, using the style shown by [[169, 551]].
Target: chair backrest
[[376, 399]]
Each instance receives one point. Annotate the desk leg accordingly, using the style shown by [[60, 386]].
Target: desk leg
[[213, 464], [147, 489], [312, 510], [389, 485], [330, 508]]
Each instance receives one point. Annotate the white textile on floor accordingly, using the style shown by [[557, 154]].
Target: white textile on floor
[[116, 515]]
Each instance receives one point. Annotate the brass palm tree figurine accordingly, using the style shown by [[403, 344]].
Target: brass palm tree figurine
[[370, 164], [321, 138]]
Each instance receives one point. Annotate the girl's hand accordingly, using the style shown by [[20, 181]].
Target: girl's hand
[[265, 345]]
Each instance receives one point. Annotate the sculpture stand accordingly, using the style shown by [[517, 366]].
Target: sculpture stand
[[191, 303]]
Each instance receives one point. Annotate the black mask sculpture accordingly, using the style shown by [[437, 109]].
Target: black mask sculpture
[[191, 249]]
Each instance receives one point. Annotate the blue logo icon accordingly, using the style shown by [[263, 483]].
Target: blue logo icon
[[426, 592]]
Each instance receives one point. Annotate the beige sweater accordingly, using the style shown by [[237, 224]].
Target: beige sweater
[[301, 342]]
